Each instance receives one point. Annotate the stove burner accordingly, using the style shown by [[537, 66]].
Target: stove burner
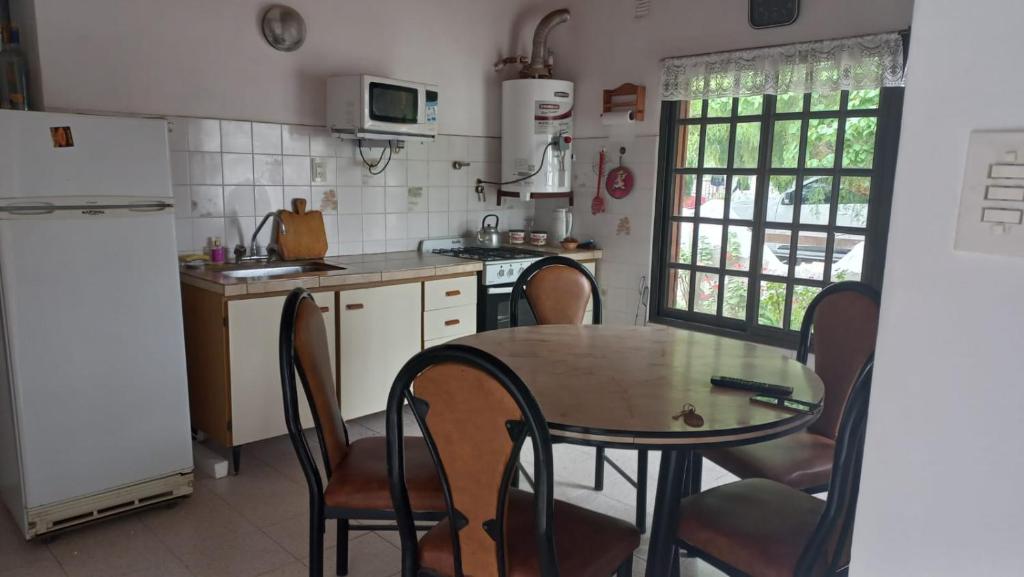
[[486, 254]]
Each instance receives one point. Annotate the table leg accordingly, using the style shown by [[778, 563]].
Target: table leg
[[666, 511]]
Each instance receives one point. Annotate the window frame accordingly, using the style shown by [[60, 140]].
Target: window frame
[[882, 174]]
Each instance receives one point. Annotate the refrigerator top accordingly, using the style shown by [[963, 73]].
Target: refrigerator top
[[66, 155]]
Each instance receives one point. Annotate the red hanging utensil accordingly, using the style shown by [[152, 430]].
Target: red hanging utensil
[[597, 205]]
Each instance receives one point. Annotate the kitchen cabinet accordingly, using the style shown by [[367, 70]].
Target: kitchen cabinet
[[449, 309], [380, 328], [253, 332]]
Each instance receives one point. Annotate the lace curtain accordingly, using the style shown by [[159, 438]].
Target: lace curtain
[[829, 66]]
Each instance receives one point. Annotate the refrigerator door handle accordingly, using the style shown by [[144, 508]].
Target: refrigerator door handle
[[151, 207], [45, 208], [30, 208]]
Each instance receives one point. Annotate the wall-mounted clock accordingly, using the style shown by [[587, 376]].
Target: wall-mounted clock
[[771, 13]]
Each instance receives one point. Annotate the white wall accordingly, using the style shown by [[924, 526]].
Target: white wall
[[603, 46], [940, 492], [206, 58]]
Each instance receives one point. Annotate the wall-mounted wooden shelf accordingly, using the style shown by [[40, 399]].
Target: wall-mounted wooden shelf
[[626, 96]]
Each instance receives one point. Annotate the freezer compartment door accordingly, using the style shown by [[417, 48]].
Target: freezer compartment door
[[45, 154], [94, 326]]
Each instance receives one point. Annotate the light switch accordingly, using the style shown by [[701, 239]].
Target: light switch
[[1007, 171], [991, 217], [1001, 215], [318, 170], [1011, 193]]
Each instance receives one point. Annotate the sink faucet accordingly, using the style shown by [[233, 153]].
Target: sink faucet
[[240, 250]]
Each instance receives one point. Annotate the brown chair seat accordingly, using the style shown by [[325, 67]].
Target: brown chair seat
[[588, 544], [802, 460], [360, 481], [759, 526]]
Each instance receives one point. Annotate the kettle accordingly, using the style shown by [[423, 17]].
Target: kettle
[[488, 235], [561, 224]]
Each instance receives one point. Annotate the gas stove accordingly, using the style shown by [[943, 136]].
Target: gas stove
[[502, 265]]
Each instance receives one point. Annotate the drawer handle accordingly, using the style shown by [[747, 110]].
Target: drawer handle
[[454, 293], [354, 307], [451, 323], [325, 309]]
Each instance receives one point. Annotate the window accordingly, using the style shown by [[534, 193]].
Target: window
[[765, 200]]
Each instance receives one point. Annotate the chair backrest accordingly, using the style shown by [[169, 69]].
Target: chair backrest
[[304, 349], [828, 550], [558, 289], [841, 324], [475, 414]]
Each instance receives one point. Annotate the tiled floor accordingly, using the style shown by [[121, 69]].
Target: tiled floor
[[255, 524]]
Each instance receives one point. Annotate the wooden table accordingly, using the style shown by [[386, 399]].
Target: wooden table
[[623, 387]]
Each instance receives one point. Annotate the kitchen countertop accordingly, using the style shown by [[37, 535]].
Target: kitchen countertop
[[360, 269]]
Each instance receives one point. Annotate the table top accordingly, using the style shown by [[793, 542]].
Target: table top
[[626, 386]]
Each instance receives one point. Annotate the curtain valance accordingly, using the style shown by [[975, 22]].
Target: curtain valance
[[858, 63]]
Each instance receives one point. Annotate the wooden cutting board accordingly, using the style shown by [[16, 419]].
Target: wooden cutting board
[[301, 234]]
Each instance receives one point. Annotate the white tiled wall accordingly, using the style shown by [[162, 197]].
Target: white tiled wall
[[228, 174], [627, 249]]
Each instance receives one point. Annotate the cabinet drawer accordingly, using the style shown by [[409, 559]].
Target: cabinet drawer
[[449, 293], [449, 322], [440, 341]]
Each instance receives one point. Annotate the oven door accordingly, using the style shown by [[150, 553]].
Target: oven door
[[494, 309]]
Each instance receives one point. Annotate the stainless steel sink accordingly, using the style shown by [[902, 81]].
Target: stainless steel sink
[[276, 269]]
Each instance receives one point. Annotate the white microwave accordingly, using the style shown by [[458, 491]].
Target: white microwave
[[372, 107]]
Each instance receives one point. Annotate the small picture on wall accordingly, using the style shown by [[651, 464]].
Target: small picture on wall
[[61, 136]]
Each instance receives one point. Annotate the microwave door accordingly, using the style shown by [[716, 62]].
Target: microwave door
[[393, 103]]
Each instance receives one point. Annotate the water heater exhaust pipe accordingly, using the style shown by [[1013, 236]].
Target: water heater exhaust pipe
[[538, 66]]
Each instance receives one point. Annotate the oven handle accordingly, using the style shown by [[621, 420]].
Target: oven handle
[[501, 290]]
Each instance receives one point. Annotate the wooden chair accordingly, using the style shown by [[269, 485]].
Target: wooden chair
[[763, 528], [356, 473], [558, 289], [842, 322], [475, 414]]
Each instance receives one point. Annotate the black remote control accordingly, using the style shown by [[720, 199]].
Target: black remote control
[[754, 386]]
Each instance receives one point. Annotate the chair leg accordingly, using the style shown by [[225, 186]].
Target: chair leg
[[676, 570], [641, 490], [342, 548], [316, 543], [626, 569], [599, 470]]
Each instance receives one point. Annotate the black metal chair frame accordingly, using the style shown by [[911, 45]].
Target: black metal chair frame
[[842, 491], [803, 352], [518, 294], [319, 512], [533, 426]]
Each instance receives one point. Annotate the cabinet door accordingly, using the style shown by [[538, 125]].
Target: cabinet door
[[380, 331], [257, 410]]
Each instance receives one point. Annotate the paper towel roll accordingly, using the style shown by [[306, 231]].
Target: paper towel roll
[[618, 118]]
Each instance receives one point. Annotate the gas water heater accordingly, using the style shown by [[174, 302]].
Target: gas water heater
[[536, 122], [536, 136]]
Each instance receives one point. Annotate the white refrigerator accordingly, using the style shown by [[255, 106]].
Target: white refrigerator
[[94, 414]]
